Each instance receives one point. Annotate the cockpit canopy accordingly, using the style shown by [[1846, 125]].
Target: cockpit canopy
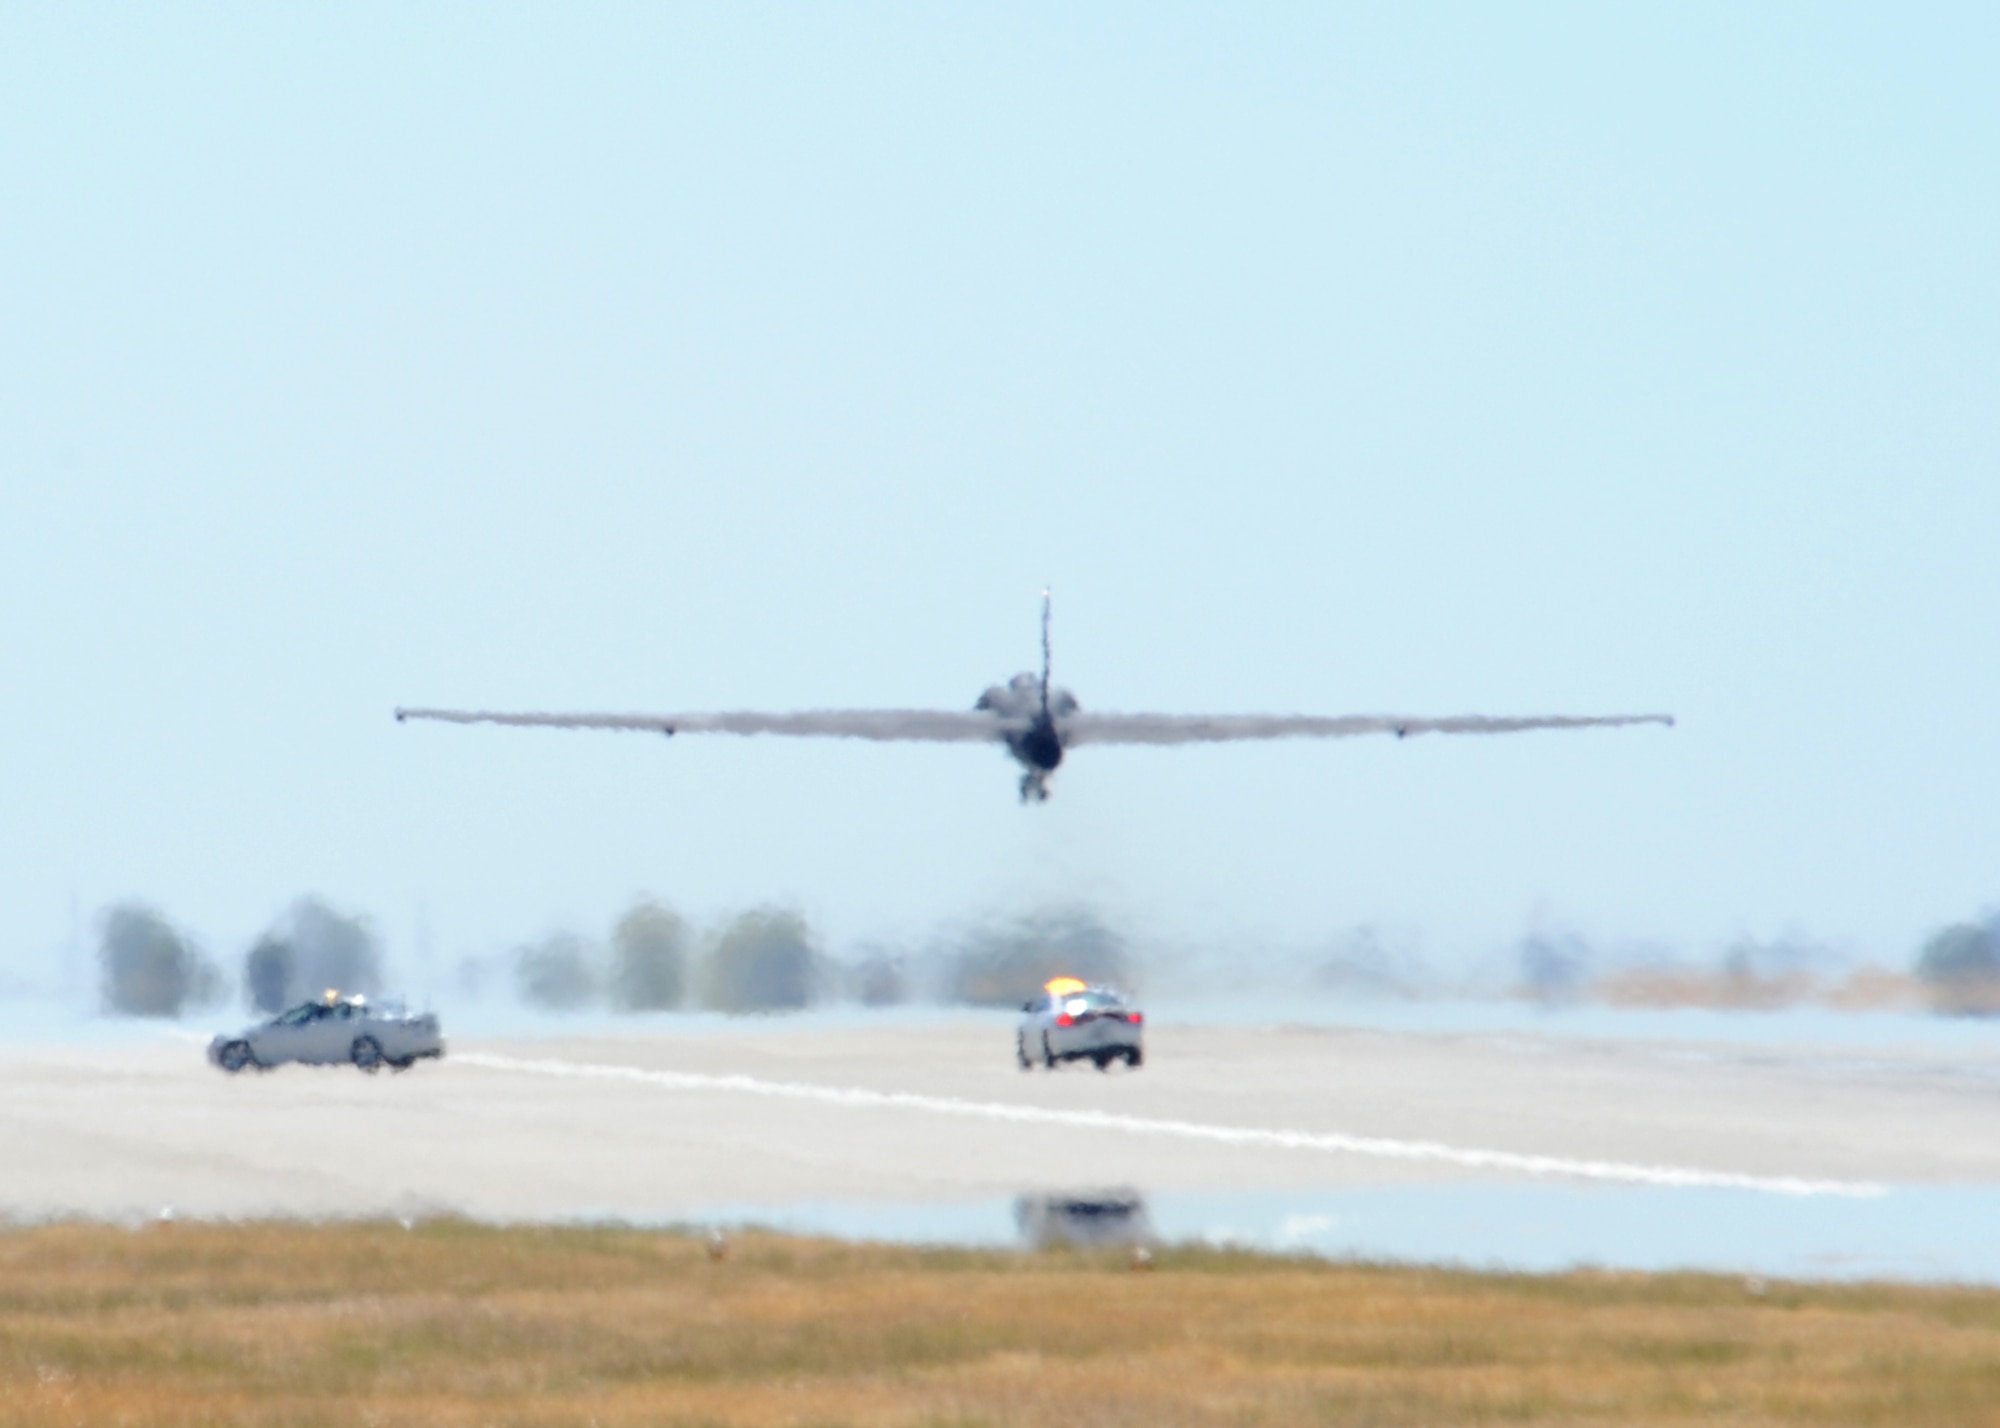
[[1021, 697]]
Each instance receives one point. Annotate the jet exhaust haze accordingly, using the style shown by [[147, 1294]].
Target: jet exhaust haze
[[1036, 723]]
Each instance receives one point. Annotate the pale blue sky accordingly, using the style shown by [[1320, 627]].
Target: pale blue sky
[[1327, 359]]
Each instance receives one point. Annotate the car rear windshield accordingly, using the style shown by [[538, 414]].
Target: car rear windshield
[[1093, 1000]]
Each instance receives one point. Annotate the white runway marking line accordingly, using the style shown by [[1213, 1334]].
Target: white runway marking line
[[854, 1098]]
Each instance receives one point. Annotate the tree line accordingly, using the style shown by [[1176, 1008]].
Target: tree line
[[760, 960]]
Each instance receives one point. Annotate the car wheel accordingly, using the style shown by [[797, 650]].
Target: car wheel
[[1021, 1053], [235, 1056], [1103, 1060], [1135, 1058], [368, 1054], [403, 1064], [1048, 1053]]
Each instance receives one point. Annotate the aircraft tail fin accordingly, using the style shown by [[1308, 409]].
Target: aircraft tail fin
[[1045, 652]]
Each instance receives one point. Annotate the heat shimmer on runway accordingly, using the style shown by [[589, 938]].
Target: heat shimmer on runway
[[662, 1121], [860, 1099]]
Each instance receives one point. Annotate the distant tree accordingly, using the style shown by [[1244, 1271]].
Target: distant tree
[[148, 968], [335, 949], [270, 972], [557, 973], [1365, 962], [648, 959], [1959, 967], [764, 960], [1003, 966], [1554, 966], [1792, 955], [878, 981], [310, 948]]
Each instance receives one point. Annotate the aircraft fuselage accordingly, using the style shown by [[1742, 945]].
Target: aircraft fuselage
[[1037, 748]]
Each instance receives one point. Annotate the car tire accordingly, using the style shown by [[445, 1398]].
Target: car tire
[[1048, 1053], [1103, 1060], [1135, 1058], [235, 1056], [368, 1054], [1021, 1053]]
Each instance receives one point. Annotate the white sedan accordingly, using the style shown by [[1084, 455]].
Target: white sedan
[[332, 1031], [1071, 1021]]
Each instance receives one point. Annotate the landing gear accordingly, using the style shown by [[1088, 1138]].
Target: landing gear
[[1035, 786]]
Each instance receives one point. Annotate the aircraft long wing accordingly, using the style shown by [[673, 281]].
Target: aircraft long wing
[[1085, 728], [934, 726]]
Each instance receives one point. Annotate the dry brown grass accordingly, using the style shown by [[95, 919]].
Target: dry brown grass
[[1864, 989], [452, 1323]]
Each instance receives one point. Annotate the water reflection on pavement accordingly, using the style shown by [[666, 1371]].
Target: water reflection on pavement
[[1918, 1233]]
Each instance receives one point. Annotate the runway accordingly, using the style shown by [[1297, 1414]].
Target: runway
[[1326, 1142], [667, 1124]]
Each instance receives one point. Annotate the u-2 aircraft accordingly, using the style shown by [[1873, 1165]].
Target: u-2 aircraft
[[1037, 723]]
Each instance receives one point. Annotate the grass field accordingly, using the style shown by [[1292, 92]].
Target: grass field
[[454, 1323]]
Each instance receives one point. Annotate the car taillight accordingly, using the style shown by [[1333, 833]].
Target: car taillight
[[1065, 1020], [1135, 1017]]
